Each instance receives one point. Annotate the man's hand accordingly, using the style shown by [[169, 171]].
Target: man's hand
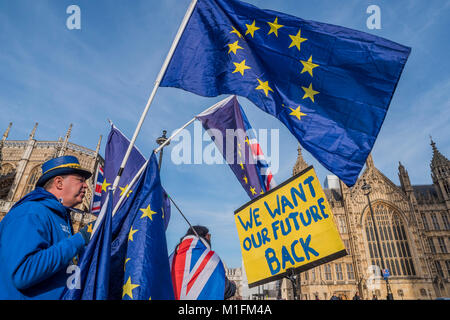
[[86, 232]]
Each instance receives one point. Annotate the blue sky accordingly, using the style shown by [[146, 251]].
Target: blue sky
[[56, 76]]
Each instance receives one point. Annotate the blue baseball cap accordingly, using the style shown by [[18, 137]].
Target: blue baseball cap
[[61, 166]]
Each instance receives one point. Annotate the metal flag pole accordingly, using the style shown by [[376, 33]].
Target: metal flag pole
[[155, 88], [166, 142], [177, 132]]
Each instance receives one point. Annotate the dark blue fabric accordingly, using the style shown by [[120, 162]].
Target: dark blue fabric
[[355, 79], [95, 263], [115, 150], [36, 248], [233, 146], [146, 247]]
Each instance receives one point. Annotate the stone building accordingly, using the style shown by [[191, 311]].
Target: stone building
[[235, 275], [20, 168], [414, 231]]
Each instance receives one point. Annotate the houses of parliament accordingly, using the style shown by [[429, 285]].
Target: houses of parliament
[[412, 223]]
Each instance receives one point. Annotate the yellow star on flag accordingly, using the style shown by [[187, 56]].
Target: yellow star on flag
[[274, 26], [128, 288], [234, 47], [148, 212], [308, 66], [262, 192], [89, 228], [297, 40], [246, 140], [126, 260], [236, 32], [122, 190], [251, 28], [240, 67], [132, 232], [264, 86], [105, 185], [252, 190], [242, 165], [245, 179], [297, 113], [309, 92]]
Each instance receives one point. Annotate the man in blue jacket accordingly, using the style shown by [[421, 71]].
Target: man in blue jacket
[[37, 244]]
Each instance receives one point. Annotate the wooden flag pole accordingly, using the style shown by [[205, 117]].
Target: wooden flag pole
[[155, 88]]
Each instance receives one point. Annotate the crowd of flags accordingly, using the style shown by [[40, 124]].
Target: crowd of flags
[[329, 85]]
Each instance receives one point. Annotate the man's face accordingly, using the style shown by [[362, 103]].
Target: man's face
[[73, 190]]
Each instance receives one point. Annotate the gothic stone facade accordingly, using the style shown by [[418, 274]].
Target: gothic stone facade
[[414, 232], [20, 168]]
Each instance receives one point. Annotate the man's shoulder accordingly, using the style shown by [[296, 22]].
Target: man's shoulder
[[30, 210]]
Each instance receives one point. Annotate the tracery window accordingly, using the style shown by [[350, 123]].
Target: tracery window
[[32, 179], [393, 239]]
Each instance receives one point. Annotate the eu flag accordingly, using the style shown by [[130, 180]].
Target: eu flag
[[92, 277], [331, 86], [115, 150], [230, 129], [140, 261], [116, 147]]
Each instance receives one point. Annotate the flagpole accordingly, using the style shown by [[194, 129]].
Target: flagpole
[[220, 103], [155, 88]]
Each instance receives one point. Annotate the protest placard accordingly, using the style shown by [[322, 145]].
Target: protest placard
[[291, 226]]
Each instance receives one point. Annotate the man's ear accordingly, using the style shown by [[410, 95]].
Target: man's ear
[[58, 182]]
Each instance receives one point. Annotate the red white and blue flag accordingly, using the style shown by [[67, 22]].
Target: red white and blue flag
[[96, 199], [261, 163], [238, 144], [197, 271]]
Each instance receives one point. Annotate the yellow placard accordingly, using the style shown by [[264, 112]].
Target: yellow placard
[[290, 228]]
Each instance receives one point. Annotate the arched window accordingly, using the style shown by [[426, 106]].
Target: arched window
[[32, 179], [6, 168], [394, 243]]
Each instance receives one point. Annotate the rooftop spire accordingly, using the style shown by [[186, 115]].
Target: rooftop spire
[[438, 158], [300, 164], [5, 135], [33, 131], [369, 161]]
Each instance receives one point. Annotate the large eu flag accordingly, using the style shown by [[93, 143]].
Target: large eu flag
[[230, 129], [139, 257], [331, 86]]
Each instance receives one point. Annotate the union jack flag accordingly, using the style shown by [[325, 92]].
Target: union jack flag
[[197, 271], [96, 199]]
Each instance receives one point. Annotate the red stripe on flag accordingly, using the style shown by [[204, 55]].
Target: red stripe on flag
[[199, 270], [178, 264], [256, 149]]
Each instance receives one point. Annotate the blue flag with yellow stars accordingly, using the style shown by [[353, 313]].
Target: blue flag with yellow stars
[[116, 147], [91, 280], [331, 86], [139, 257], [230, 129], [115, 150]]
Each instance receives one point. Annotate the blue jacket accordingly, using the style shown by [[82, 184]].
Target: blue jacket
[[36, 247]]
